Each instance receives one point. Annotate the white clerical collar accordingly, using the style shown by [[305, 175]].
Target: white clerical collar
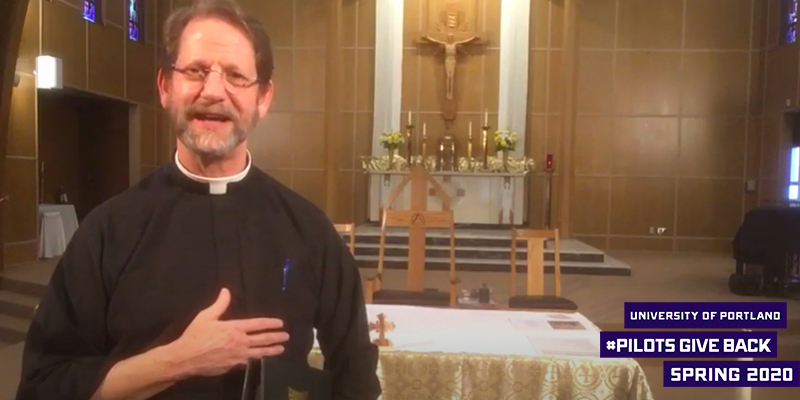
[[215, 185]]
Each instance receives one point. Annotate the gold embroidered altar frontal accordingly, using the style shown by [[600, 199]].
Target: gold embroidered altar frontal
[[410, 375]]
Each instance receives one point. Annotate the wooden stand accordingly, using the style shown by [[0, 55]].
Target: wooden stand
[[417, 219], [548, 201], [419, 180]]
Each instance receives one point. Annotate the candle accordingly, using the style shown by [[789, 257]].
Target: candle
[[469, 145], [486, 117], [424, 143], [409, 117]]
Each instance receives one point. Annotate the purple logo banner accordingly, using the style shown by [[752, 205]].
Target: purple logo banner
[[688, 344], [739, 315], [731, 373]]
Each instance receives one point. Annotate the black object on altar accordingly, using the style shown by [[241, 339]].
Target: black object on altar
[[282, 379], [770, 238]]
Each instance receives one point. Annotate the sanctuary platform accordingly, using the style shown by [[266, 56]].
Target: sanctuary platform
[[479, 249]]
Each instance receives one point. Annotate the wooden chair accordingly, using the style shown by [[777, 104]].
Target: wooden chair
[[350, 230], [535, 297], [414, 296]]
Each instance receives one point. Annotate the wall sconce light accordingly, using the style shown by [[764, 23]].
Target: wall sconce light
[[48, 73], [16, 80]]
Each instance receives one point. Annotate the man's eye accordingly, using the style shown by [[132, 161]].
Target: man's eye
[[195, 71]]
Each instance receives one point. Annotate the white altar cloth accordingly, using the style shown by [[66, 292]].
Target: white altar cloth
[[467, 354], [475, 197], [490, 332]]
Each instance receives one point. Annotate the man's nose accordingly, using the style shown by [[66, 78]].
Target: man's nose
[[214, 87]]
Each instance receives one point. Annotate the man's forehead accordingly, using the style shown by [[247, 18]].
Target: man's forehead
[[212, 36]]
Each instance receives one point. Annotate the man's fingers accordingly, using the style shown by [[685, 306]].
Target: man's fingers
[[214, 311], [267, 339], [256, 324], [271, 351]]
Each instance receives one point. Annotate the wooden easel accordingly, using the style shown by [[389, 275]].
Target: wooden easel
[[419, 179]]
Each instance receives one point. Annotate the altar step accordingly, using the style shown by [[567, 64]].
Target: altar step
[[480, 250], [481, 253], [612, 267]]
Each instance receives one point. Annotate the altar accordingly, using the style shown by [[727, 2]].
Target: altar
[[455, 354], [483, 172], [475, 197]]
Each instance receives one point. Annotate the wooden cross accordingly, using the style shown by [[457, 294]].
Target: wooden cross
[[381, 326], [451, 33]]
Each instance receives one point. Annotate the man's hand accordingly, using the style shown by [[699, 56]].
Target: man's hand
[[211, 347], [208, 347]]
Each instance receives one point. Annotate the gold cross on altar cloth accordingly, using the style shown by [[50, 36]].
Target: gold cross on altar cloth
[[381, 326]]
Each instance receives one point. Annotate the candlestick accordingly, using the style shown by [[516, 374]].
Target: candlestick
[[41, 183], [424, 142], [469, 148], [409, 136], [440, 161], [485, 145]]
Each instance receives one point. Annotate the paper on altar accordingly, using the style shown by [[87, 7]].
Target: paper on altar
[[564, 346]]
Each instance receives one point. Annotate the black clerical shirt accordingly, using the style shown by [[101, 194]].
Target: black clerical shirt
[[144, 263]]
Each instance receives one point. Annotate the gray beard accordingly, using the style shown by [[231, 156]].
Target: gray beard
[[221, 148]]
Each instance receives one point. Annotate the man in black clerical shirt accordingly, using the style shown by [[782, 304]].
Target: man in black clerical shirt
[[168, 289]]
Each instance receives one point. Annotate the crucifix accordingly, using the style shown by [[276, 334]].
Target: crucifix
[[451, 34], [451, 48], [381, 326]]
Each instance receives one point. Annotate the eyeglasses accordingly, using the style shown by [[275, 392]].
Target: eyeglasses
[[199, 75]]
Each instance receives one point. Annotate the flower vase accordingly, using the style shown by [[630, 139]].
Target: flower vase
[[505, 160], [391, 158]]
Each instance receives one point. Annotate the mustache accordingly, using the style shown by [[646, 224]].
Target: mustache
[[196, 110]]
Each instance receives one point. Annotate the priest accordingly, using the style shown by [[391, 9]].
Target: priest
[[169, 289]]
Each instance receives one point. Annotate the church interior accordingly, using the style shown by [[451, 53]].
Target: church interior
[[641, 133]]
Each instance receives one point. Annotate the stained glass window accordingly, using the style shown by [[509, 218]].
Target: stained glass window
[[91, 10], [794, 174], [135, 19], [789, 21]]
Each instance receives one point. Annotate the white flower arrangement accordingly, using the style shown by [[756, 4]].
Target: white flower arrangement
[[505, 140], [392, 139]]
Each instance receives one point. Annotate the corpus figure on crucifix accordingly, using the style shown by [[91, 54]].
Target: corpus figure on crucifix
[[451, 48]]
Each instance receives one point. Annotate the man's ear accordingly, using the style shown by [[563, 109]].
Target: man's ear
[[265, 98], [163, 87]]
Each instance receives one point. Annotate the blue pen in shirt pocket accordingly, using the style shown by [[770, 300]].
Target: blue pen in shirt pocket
[[287, 267]]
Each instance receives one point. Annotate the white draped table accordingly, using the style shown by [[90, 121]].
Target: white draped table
[[53, 232], [498, 354], [475, 197]]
